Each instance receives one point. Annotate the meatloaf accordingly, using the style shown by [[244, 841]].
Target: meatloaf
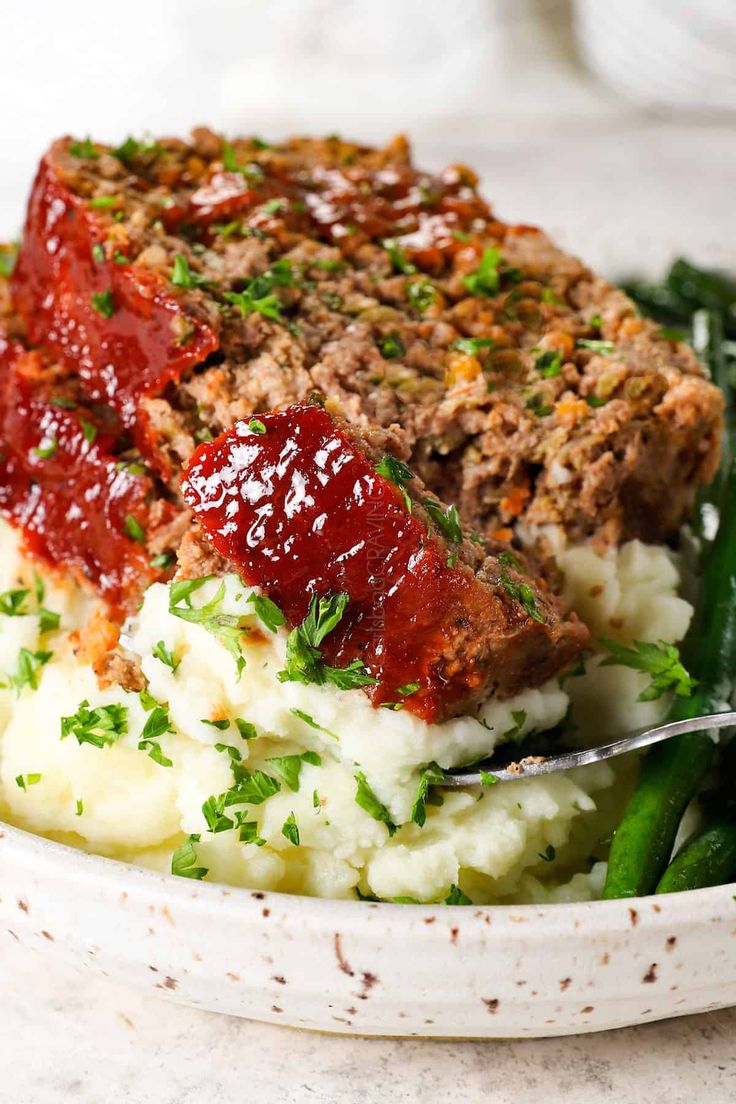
[[70, 480], [426, 618], [192, 284]]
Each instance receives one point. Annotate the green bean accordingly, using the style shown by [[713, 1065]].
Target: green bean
[[704, 288], [670, 775], [707, 341], [708, 858], [672, 772], [658, 301]]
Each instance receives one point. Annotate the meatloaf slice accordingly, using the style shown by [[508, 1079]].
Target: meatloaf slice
[[309, 508], [68, 480], [243, 275]]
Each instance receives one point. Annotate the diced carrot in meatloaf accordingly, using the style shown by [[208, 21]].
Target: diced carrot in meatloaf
[[192, 284], [310, 509]]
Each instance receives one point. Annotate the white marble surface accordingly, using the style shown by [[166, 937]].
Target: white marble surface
[[71, 1038], [624, 190]]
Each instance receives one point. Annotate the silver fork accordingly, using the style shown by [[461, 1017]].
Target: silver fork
[[534, 765]]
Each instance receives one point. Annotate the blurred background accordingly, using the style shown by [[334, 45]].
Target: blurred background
[[612, 123]]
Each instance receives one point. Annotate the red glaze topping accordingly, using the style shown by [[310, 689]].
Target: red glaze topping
[[134, 341], [429, 217], [64, 489], [300, 511]]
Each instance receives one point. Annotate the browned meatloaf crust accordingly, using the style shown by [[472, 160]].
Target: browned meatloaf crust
[[527, 388]]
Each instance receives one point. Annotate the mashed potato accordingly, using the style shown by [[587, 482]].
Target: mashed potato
[[331, 781]]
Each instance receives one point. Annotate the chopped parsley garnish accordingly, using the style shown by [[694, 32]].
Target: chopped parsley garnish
[[100, 726], [365, 797], [391, 347], [273, 206], [157, 724], [316, 803], [230, 229], [163, 561], [661, 661], [80, 806], [104, 303], [258, 296], [85, 149], [184, 859], [290, 830], [396, 472], [226, 627], [421, 294], [23, 781], [134, 529], [267, 611], [213, 812], [486, 278], [89, 431], [304, 661], [48, 620], [103, 201], [29, 664], [432, 775], [131, 148], [248, 833], [398, 257], [549, 854], [595, 346], [183, 277], [120, 258], [63, 403], [221, 725], [255, 425], [312, 723], [471, 346], [487, 779], [8, 255], [551, 296], [549, 364], [537, 404], [252, 787], [457, 897], [596, 400], [447, 521], [596, 321], [232, 752], [289, 766], [13, 603], [98, 252], [523, 593], [328, 265], [148, 702], [252, 170], [46, 450], [247, 730], [508, 559], [165, 655], [514, 734]]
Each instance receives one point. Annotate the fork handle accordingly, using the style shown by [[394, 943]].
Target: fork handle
[[633, 741]]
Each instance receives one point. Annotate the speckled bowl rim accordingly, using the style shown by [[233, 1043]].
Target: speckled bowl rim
[[610, 916]]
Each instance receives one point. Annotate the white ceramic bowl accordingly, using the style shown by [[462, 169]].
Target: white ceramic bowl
[[373, 969]]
